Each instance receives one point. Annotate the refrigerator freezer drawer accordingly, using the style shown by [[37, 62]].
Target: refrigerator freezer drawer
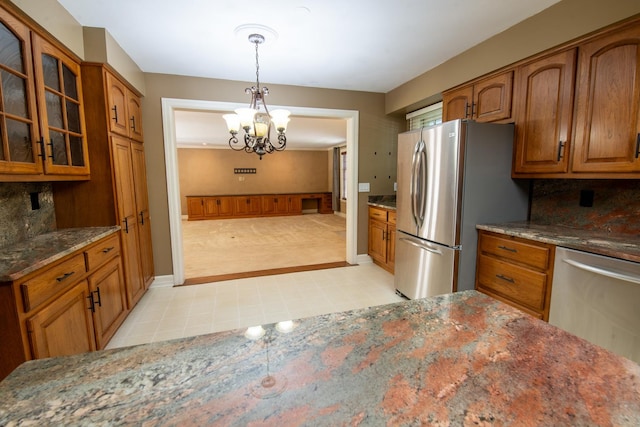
[[423, 269]]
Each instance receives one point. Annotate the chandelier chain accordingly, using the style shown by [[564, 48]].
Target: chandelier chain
[[257, 66]]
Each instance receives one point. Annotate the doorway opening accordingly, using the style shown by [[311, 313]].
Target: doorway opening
[[170, 105]]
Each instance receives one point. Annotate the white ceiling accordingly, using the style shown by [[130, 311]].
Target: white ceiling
[[364, 45]]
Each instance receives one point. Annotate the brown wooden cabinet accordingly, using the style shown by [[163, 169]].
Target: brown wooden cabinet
[[110, 304], [516, 271], [247, 205], [484, 100], [63, 327], [544, 111], [218, 207], [117, 192], [607, 123], [41, 113], [294, 203], [382, 237], [125, 109], [70, 306], [276, 204]]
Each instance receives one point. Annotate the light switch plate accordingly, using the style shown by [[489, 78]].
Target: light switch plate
[[363, 187], [395, 186]]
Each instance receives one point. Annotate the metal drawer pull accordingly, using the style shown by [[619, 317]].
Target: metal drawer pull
[[64, 276], [506, 248], [505, 278], [107, 250]]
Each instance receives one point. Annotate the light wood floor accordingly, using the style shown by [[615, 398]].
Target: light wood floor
[[244, 247]]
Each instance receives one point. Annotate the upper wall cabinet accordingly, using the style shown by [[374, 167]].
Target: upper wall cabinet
[[587, 126], [607, 131], [19, 151], [125, 110], [42, 125], [486, 100], [544, 109], [62, 125]]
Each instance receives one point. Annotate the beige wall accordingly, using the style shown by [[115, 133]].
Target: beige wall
[[558, 24], [377, 134], [56, 20], [100, 46], [210, 172]]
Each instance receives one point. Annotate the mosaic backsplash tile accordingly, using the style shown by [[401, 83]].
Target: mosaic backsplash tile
[[18, 221], [616, 204]]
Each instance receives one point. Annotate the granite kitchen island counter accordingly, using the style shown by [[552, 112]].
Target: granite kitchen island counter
[[460, 359]]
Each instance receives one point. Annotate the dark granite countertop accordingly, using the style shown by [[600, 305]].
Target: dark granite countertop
[[623, 246], [385, 201], [457, 359], [25, 257]]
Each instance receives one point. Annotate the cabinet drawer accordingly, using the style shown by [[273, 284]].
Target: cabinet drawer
[[379, 214], [521, 252], [49, 282], [102, 252], [392, 217], [524, 286]]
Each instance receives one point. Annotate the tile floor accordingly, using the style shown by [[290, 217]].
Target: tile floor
[[173, 312]]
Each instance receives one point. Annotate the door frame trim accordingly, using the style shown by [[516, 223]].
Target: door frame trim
[[169, 105]]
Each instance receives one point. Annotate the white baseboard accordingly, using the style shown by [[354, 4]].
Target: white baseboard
[[363, 259], [162, 281]]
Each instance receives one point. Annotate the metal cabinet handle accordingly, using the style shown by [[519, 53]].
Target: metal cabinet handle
[[126, 225], [92, 304], [65, 276], [115, 113], [42, 152], [505, 278], [50, 144], [506, 248], [107, 250], [133, 123], [97, 292], [560, 150], [141, 217], [638, 146]]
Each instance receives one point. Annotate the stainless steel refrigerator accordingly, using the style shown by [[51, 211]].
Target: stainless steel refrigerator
[[451, 177]]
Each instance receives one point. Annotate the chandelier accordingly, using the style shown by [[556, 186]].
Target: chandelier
[[256, 121]]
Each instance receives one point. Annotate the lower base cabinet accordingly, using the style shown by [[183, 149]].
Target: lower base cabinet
[[248, 206], [72, 306], [516, 271], [64, 327], [382, 237]]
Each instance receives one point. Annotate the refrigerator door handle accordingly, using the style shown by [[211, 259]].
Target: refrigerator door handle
[[418, 184], [421, 246]]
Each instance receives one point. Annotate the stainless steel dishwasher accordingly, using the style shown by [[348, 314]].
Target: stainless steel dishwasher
[[597, 298]]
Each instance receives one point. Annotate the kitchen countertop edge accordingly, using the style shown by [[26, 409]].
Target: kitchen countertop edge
[[36, 253], [622, 246]]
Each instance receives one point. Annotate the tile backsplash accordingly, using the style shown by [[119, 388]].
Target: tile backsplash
[[615, 205], [18, 220]]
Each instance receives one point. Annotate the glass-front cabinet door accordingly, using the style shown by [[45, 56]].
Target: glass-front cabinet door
[[19, 148], [61, 114]]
